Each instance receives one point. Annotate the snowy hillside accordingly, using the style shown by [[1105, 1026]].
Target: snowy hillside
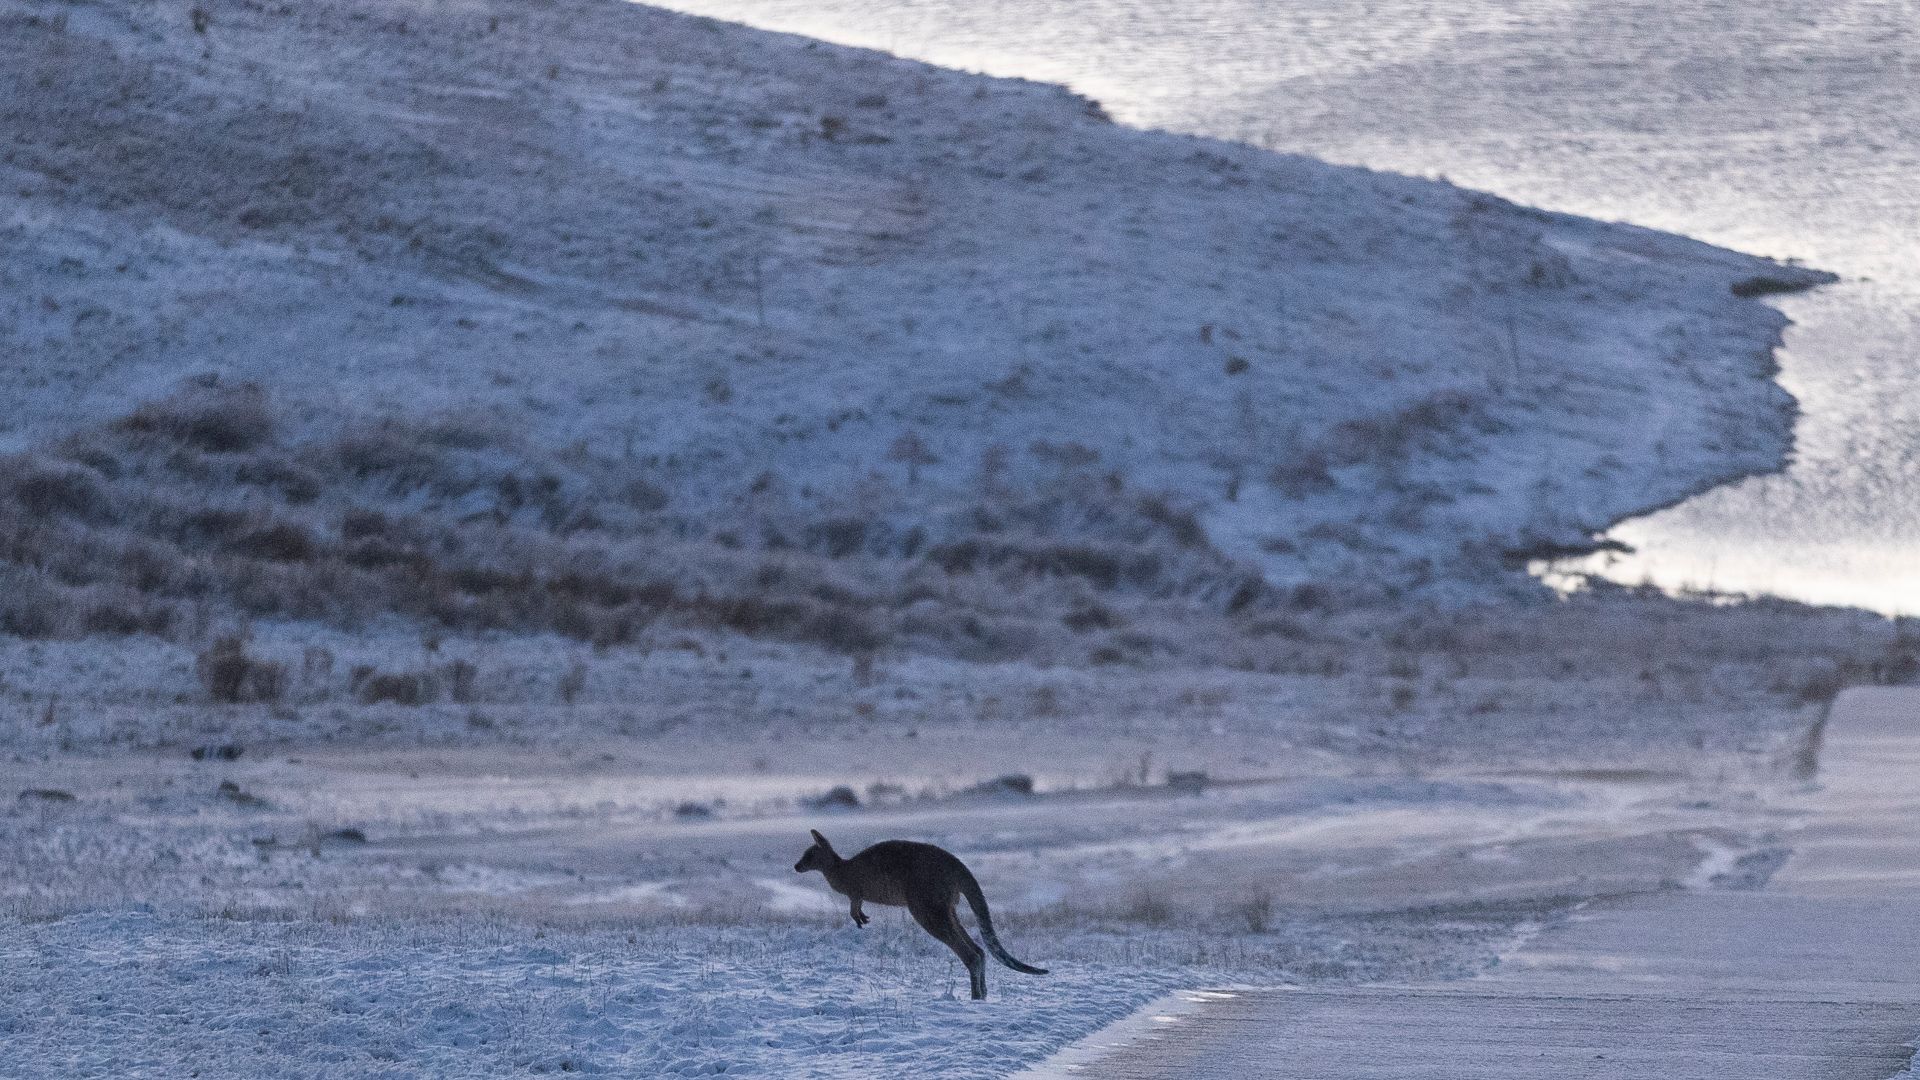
[[615, 273]]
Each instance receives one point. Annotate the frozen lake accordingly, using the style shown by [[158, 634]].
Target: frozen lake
[[1781, 127]]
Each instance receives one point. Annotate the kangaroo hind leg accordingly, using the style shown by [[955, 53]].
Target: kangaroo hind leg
[[938, 919], [975, 956]]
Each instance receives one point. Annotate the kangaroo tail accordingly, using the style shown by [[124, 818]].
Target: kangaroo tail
[[977, 900]]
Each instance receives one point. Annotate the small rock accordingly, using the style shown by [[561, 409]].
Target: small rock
[[347, 835], [220, 752], [693, 811]]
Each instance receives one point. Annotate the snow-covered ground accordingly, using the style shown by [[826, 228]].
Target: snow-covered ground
[[519, 881], [513, 882], [494, 913], [476, 998], [488, 998]]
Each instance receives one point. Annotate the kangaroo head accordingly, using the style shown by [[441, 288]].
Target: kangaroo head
[[818, 857]]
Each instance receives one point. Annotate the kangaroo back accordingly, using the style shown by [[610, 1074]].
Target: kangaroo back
[[977, 900]]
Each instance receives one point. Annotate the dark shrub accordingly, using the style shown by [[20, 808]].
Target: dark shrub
[[573, 683], [1099, 566], [148, 567], [216, 524], [1245, 594], [1303, 474], [1010, 784], [384, 451], [753, 615], [837, 537], [100, 461], [280, 541], [1437, 424], [1182, 523], [461, 677], [230, 675], [207, 417], [29, 609], [237, 795], [1187, 781], [218, 752], [293, 482], [45, 488], [126, 616], [840, 797], [843, 630], [1091, 617], [364, 524], [957, 558], [411, 688], [1310, 597], [645, 496]]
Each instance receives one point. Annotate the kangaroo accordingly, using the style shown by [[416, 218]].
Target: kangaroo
[[926, 880]]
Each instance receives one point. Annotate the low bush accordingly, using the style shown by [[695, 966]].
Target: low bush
[[200, 509], [412, 688], [1254, 910], [232, 676], [208, 416]]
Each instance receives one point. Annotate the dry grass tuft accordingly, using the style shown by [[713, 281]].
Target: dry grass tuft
[[232, 676]]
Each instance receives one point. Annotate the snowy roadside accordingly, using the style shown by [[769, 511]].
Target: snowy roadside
[[134, 994], [472, 999], [472, 913]]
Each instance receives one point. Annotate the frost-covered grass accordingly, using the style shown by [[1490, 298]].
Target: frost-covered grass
[[199, 506], [138, 994], [135, 995], [538, 908], [507, 844], [1618, 679]]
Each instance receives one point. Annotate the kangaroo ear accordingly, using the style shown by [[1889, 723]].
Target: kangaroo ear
[[821, 840]]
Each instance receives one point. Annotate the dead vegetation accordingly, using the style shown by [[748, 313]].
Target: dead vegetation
[[412, 688], [197, 508], [232, 676], [200, 511]]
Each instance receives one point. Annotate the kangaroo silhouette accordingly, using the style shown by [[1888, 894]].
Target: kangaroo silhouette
[[926, 880]]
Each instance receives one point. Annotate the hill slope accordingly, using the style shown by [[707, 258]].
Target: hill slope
[[627, 273]]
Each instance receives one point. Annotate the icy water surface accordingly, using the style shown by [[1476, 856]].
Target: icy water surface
[[1783, 127]]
